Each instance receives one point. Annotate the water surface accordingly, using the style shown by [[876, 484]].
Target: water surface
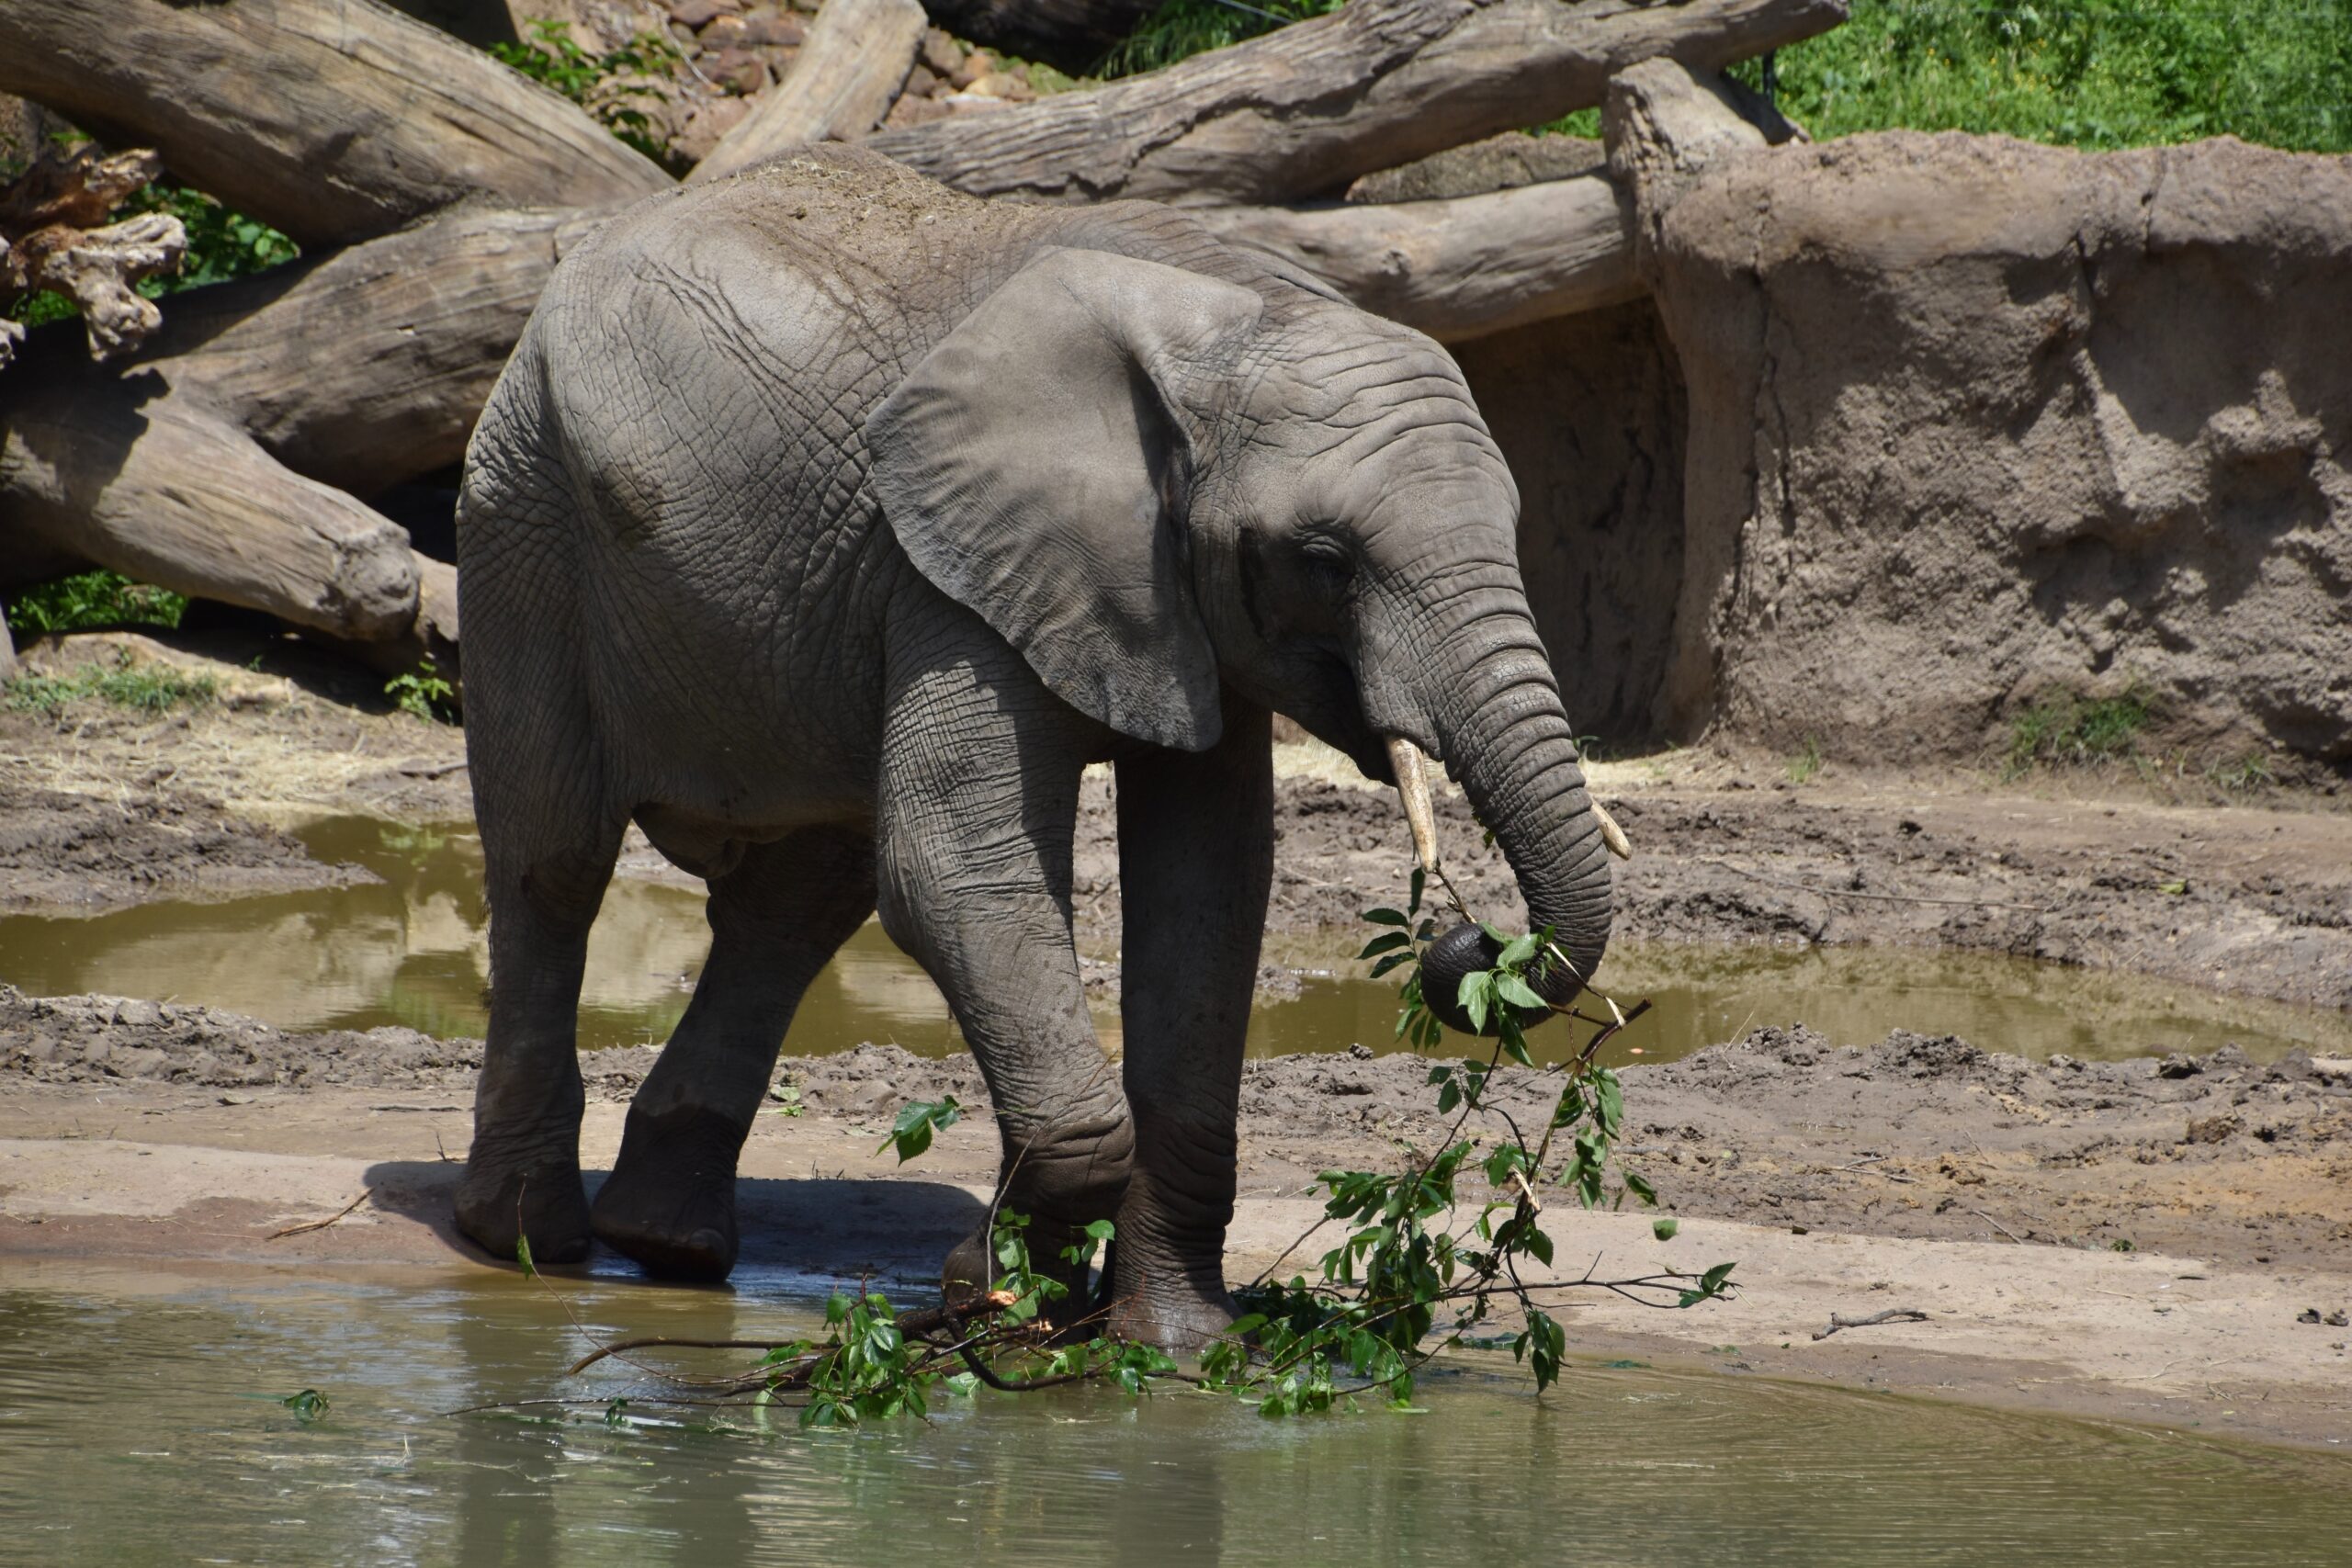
[[414, 950], [140, 1423]]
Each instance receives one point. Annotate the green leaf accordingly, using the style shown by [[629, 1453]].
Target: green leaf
[[912, 1133], [1419, 881], [1385, 943], [307, 1406], [1518, 993], [522, 1255], [1386, 918], [1640, 1188], [1516, 951], [1391, 961], [1664, 1229]]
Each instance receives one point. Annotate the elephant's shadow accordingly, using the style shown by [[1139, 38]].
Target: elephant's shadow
[[823, 1228]]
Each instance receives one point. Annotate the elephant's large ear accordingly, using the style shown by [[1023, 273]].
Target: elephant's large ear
[[1030, 466]]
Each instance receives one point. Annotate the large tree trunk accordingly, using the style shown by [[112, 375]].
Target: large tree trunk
[[841, 83], [209, 465], [1303, 110], [1462, 268], [332, 121]]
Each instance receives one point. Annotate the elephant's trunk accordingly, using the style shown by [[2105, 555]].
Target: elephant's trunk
[[1507, 739]]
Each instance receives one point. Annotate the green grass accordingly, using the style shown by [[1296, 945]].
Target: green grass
[[2092, 74], [2062, 729], [91, 600], [127, 682], [1806, 764]]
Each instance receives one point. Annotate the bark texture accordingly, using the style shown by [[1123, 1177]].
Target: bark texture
[[332, 121], [1306, 109], [841, 83], [1461, 268]]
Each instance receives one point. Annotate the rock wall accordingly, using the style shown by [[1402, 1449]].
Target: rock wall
[[1972, 419], [1588, 411]]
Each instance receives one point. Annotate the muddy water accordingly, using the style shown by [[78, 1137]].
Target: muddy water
[[412, 950], [140, 1422]]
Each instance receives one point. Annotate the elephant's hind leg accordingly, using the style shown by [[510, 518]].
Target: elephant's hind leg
[[776, 918], [523, 1172]]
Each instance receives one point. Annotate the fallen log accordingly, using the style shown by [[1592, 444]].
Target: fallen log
[[164, 490], [332, 121], [844, 79], [1663, 125], [1302, 111], [359, 370], [369, 367], [54, 233], [1459, 268]]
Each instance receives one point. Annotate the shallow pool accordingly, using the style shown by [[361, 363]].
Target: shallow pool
[[414, 950], [140, 1421]]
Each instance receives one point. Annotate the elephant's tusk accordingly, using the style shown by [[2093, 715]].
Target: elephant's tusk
[[1413, 787], [1611, 834]]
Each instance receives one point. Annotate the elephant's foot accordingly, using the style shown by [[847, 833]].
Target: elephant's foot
[[1179, 1307], [509, 1192], [670, 1202]]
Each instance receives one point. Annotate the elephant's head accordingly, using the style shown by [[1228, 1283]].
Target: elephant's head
[[1154, 483]]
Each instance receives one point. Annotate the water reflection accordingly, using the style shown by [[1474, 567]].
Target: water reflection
[[412, 950], [139, 1422]]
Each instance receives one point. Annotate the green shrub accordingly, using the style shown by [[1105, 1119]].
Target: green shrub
[[607, 85], [92, 599], [2062, 729]]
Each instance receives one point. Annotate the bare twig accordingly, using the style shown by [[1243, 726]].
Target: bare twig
[[1891, 1314], [321, 1224]]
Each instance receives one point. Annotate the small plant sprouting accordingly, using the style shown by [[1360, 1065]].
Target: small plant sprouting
[[1806, 762], [2062, 729], [423, 693], [129, 682]]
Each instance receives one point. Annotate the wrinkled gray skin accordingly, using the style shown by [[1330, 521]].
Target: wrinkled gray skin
[[828, 524]]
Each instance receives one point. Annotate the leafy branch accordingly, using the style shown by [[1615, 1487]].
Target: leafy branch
[[1405, 1283]]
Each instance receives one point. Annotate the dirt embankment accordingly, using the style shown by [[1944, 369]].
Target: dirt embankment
[[1922, 1137], [102, 806], [1995, 1195]]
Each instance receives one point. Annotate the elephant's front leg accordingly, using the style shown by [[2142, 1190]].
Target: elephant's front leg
[[978, 800], [1196, 861]]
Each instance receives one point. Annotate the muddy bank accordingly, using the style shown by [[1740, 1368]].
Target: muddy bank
[[2254, 898], [1993, 1194], [2254, 902], [1920, 1137], [83, 855]]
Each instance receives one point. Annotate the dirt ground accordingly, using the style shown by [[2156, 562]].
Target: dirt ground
[[2138, 1240]]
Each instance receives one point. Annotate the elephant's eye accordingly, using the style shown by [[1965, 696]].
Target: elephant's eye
[[1328, 563]]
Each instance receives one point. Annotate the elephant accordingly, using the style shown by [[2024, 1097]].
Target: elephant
[[828, 524]]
